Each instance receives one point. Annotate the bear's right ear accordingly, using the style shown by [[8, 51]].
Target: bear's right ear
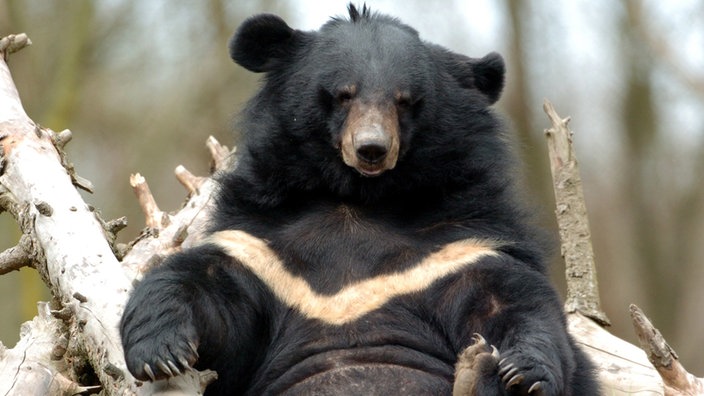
[[484, 74], [262, 42]]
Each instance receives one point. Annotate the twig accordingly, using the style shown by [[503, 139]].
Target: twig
[[18, 256], [676, 379], [155, 218], [62, 138], [13, 43], [188, 179], [218, 152], [582, 286]]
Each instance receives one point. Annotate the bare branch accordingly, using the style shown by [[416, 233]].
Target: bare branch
[[188, 179], [155, 218], [17, 257], [622, 368], [187, 384], [184, 228], [13, 43], [62, 138], [677, 380], [218, 152], [575, 237]]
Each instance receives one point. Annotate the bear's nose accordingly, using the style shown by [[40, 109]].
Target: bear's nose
[[371, 144], [372, 152]]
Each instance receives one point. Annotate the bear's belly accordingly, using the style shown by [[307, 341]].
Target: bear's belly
[[371, 379], [373, 370]]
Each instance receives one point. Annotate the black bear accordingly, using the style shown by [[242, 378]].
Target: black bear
[[368, 235]]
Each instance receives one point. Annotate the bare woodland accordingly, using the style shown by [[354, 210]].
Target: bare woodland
[[71, 345]]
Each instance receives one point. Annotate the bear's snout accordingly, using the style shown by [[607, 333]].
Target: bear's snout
[[370, 139], [372, 144]]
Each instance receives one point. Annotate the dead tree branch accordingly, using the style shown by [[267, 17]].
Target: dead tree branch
[[36, 365], [677, 381], [68, 241], [575, 237], [17, 257], [68, 245], [623, 368]]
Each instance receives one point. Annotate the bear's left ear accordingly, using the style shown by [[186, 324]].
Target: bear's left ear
[[484, 74], [262, 42]]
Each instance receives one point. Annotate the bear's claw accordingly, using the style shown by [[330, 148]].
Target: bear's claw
[[514, 378], [536, 387], [166, 368], [148, 370], [162, 355]]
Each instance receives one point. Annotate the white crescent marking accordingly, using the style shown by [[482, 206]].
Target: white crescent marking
[[354, 300]]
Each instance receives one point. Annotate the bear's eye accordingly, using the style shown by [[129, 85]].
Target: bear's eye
[[345, 94], [404, 100]]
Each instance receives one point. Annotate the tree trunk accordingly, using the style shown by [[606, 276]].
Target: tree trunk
[[77, 340]]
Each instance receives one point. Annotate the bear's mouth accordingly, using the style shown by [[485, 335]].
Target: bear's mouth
[[369, 171], [371, 160]]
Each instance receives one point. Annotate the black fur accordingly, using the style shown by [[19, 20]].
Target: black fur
[[332, 227]]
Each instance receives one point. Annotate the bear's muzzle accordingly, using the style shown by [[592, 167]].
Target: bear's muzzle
[[370, 138]]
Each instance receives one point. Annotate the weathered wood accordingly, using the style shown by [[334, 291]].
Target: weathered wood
[[16, 257], [622, 368], [69, 245], [34, 367], [677, 381], [572, 221], [155, 218], [71, 252]]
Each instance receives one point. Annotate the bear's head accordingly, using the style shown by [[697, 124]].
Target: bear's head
[[362, 94]]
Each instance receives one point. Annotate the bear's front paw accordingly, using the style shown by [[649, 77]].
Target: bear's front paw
[[522, 374], [475, 366], [161, 354]]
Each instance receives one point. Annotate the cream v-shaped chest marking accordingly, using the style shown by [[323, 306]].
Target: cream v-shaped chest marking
[[354, 300]]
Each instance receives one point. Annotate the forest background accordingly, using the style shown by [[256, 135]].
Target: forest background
[[142, 83]]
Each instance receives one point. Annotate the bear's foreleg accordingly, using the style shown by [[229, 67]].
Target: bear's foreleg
[[197, 306], [518, 313]]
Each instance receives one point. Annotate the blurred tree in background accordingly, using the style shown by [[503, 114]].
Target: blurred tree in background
[[142, 83]]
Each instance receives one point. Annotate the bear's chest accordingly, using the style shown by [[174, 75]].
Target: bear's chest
[[336, 246], [337, 266]]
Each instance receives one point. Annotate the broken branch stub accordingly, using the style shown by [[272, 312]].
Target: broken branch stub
[[677, 381], [13, 43], [154, 217]]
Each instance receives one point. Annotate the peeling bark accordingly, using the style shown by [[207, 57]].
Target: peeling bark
[[35, 366]]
